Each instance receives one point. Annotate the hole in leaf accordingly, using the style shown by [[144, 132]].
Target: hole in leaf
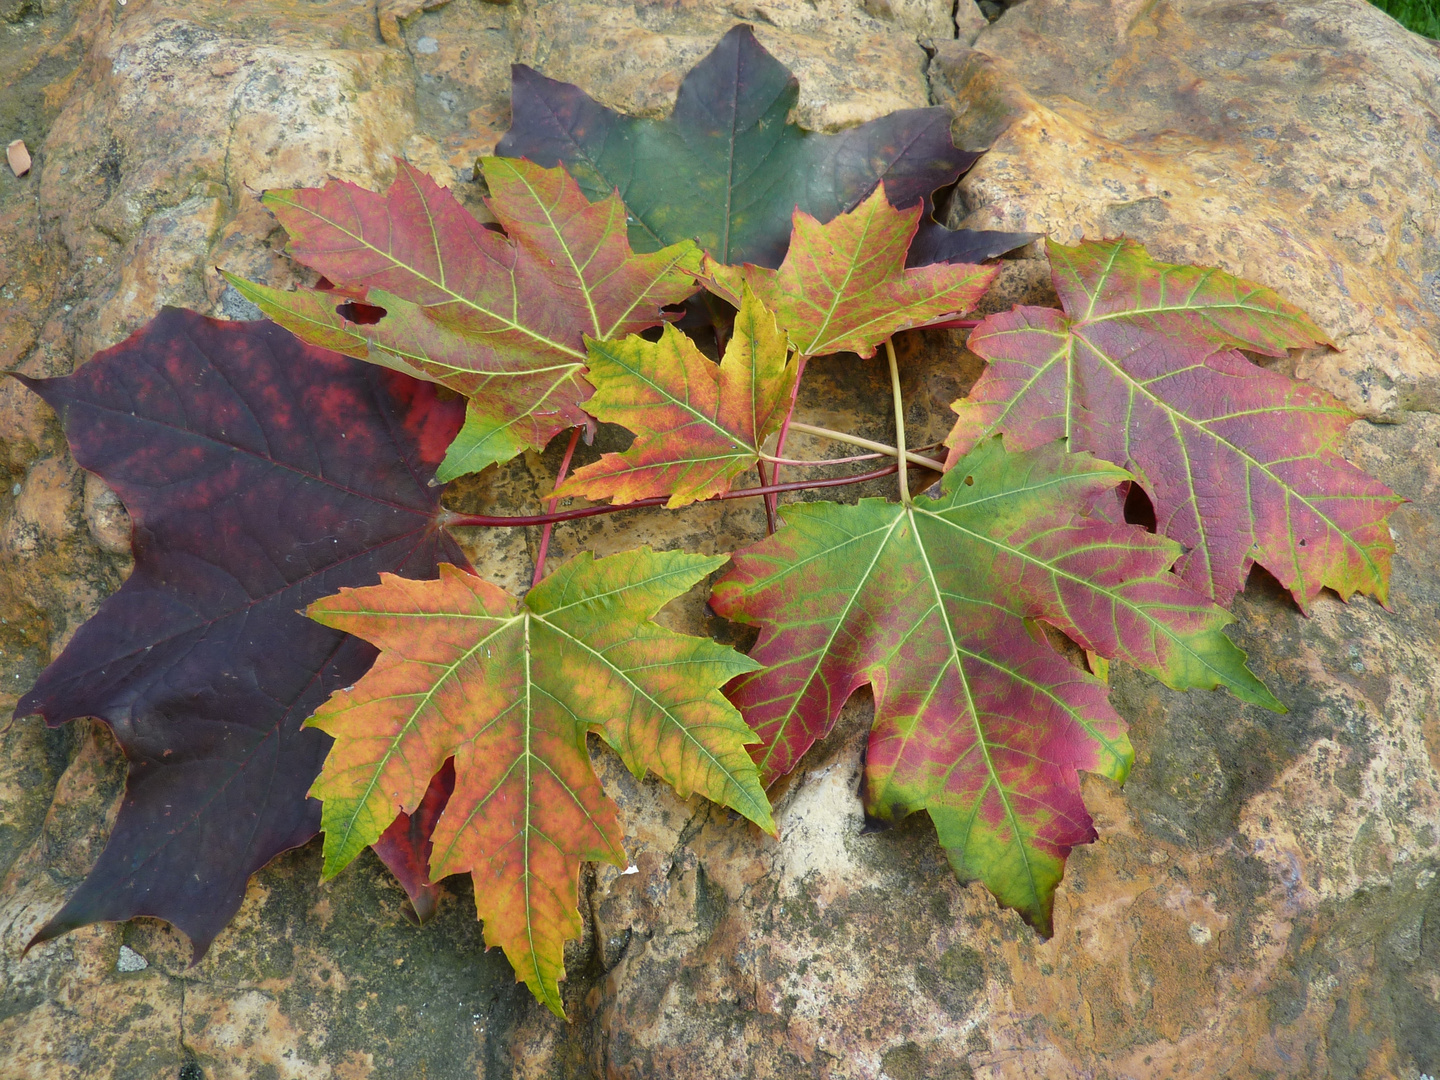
[[1139, 510], [1261, 586], [1302, 543], [361, 314]]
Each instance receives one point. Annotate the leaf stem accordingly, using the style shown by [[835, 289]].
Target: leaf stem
[[449, 518], [771, 500], [550, 525], [914, 456], [770, 523], [824, 461], [900, 455], [869, 444]]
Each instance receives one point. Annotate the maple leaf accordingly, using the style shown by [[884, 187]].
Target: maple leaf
[[844, 287], [977, 719], [726, 168], [405, 846], [699, 426], [260, 474], [510, 688], [500, 318], [1240, 463]]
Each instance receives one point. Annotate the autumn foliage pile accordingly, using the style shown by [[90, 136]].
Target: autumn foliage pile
[[277, 469]]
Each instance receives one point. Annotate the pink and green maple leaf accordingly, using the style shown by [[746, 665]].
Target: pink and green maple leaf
[[978, 720], [1141, 368], [499, 317]]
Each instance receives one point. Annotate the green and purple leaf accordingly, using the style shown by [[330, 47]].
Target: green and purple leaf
[[500, 318], [844, 286], [697, 426], [509, 688], [727, 167], [260, 474], [1141, 368], [977, 718]]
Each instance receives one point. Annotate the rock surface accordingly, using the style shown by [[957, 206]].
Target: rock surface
[[1293, 143], [1263, 900]]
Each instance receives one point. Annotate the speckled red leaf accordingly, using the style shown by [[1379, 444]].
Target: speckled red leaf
[[697, 426], [727, 167], [1141, 368], [260, 473], [977, 719], [510, 688], [499, 317], [844, 286]]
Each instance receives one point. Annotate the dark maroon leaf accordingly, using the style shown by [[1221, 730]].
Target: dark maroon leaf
[[405, 846], [261, 474], [934, 243], [727, 169]]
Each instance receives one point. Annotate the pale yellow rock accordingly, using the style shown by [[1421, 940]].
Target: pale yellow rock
[[851, 65], [1292, 144]]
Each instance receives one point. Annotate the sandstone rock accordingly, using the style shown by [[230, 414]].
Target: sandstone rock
[[1263, 899], [631, 58], [1294, 144]]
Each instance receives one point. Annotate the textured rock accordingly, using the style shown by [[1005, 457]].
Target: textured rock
[[1294, 144], [1263, 900]]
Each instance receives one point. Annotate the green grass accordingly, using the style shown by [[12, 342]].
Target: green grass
[[1422, 16]]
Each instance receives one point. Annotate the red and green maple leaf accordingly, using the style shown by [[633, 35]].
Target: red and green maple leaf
[[978, 720], [1142, 368], [698, 426], [260, 474], [844, 286], [500, 318], [510, 688]]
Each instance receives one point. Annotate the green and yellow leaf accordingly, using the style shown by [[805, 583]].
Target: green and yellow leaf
[[510, 688]]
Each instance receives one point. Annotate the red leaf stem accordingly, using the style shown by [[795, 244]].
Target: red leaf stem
[[550, 525], [770, 500]]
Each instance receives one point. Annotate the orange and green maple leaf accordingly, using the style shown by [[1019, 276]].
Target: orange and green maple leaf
[[978, 719], [1142, 368], [698, 426], [510, 689], [844, 286], [499, 317]]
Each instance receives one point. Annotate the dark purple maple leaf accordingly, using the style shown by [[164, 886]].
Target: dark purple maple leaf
[[261, 474]]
